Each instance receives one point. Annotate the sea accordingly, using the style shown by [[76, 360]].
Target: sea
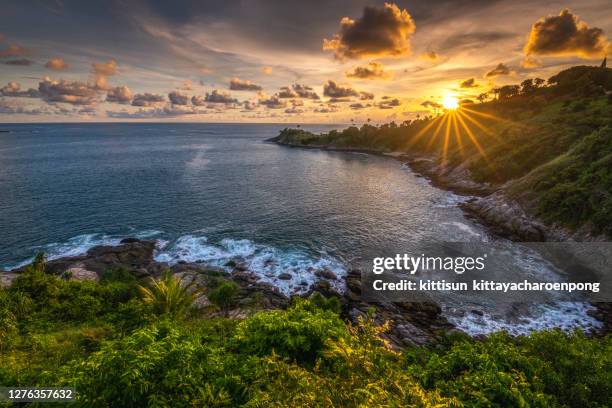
[[220, 192]]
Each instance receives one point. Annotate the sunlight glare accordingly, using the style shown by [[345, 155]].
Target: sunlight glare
[[450, 102]]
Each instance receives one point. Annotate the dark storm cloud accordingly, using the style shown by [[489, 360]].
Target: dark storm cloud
[[119, 94], [381, 31], [374, 70], [219, 97], [22, 62], [334, 90], [565, 34], [13, 89], [73, 92], [177, 98], [237, 84], [500, 69], [147, 99], [469, 83]]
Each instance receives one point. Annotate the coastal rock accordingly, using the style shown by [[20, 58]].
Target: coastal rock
[[284, 276], [129, 240], [326, 274], [80, 274], [7, 278], [506, 217]]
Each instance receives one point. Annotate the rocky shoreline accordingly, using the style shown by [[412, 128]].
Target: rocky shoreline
[[410, 323]]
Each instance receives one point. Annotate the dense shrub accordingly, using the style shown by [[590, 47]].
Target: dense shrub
[[297, 334], [544, 369]]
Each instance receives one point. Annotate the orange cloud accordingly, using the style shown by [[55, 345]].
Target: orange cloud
[[56, 64], [374, 70]]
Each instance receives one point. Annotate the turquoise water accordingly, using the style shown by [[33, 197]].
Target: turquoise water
[[214, 192]]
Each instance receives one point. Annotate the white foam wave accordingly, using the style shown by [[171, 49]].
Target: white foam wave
[[75, 246], [563, 315], [267, 262]]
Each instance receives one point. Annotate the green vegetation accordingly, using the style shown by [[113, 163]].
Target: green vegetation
[[551, 142], [168, 296], [120, 349]]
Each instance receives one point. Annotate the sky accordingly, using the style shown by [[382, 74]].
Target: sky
[[280, 61]]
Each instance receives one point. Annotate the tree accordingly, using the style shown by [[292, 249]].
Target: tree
[[224, 296], [527, 86], [483, 97], [169, 296], [508, 91], [539, 82]]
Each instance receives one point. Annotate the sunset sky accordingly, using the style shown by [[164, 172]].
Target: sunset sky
[[279, 61]]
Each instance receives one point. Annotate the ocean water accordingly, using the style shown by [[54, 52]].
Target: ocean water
[[215, 192]]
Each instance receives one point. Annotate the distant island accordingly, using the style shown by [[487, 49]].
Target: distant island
[[537, 156]]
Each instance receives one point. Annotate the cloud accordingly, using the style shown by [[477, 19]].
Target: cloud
[[187, 85], [357, 106], [287, 92], [198, 100], [13, 89], [147, 99], [101, 71], [334, 90], [294, 110], [566, 34], [14, 50], [305, 92], [273, 102], [119, 94], [365, 96], [164, 112], [249, 106], [237, 84], [266, 70], [56, 64], [297, 91], [381, 31], [530, 62], [22, 62], [389, 104], [431, 104], [330, 109], [177, 98], [469, 83], [430, 55], [73, 92], [10, 108], [500, 69], [219, 97], [374, 70]]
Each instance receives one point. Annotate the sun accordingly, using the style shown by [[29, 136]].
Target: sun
[[450, 102]]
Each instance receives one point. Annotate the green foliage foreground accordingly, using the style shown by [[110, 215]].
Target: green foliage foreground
[[116, 350]]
